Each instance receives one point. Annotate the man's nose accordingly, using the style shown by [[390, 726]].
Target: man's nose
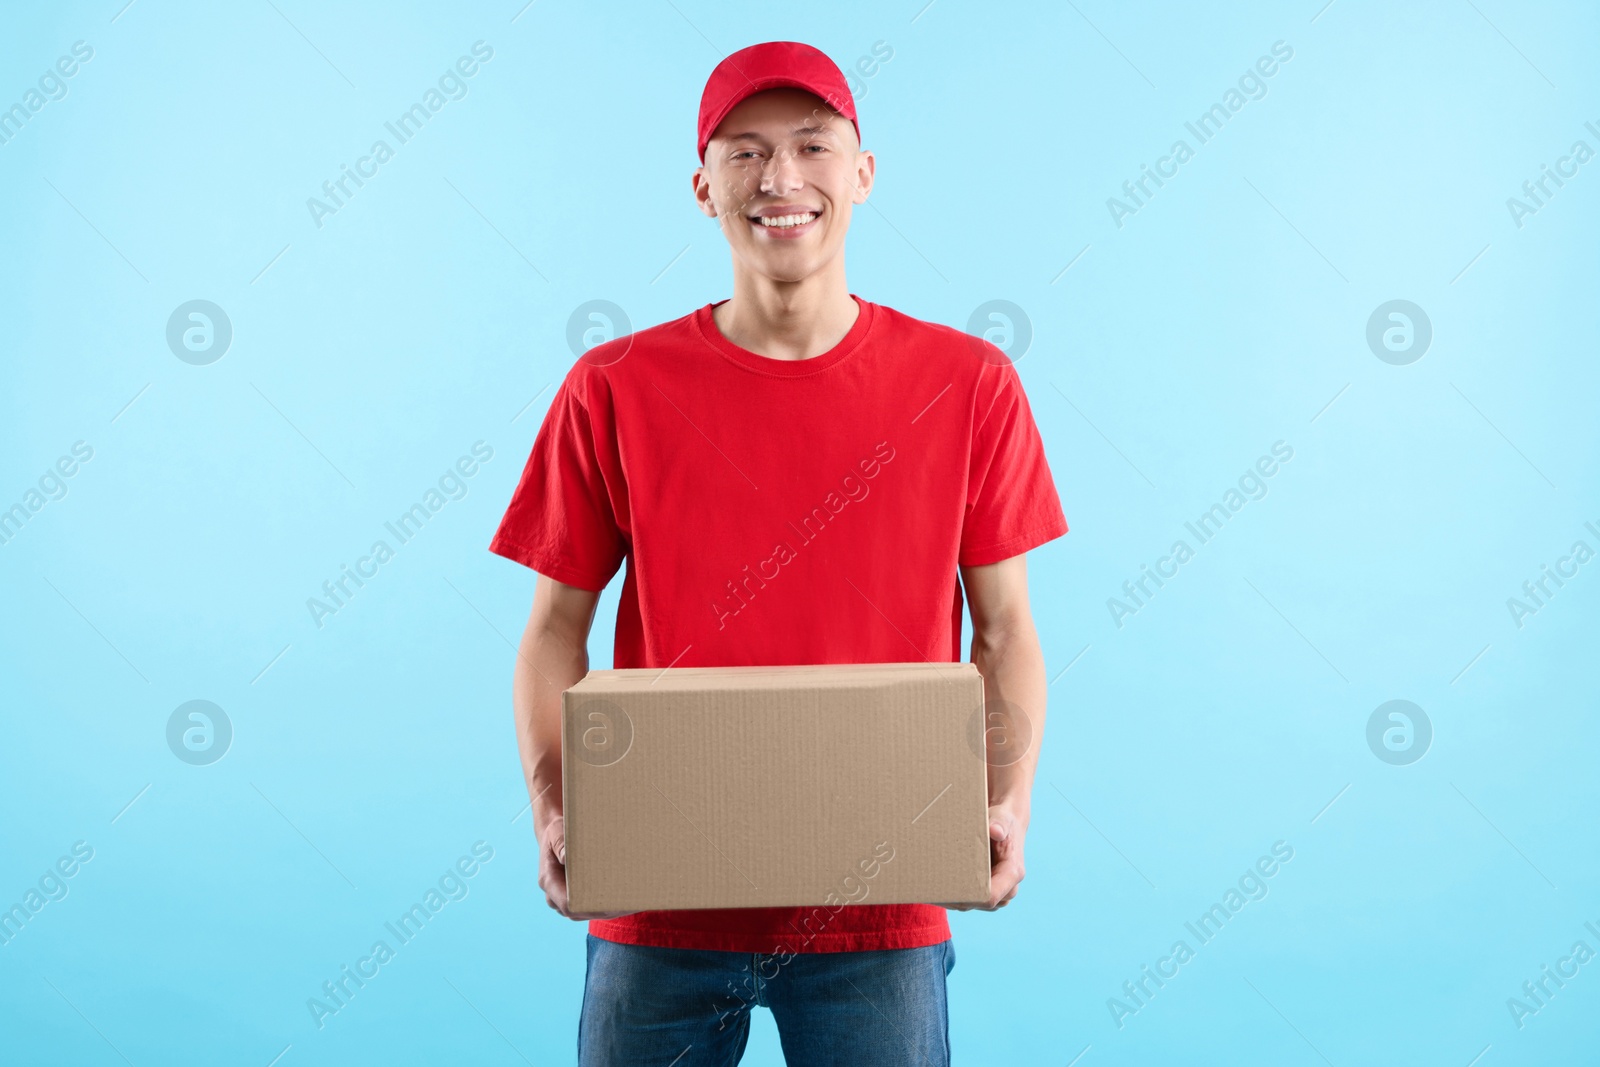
[[781, 174]]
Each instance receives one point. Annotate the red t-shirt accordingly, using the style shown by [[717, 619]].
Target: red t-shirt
[[784, 512]]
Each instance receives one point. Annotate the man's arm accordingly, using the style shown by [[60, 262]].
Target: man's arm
[[1005, 648], [554, 656]]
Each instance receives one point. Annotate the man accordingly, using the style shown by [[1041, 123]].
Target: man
[[793, 475]]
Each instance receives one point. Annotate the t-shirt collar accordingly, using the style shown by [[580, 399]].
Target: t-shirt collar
[[786, 368]]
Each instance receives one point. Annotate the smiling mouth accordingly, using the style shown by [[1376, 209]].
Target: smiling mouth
[[784, 222]]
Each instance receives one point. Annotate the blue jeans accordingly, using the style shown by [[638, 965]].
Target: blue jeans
[[673, 1007]]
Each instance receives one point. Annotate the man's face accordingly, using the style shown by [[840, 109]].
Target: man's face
[[784, 155]]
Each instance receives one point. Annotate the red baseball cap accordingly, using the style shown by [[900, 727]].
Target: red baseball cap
[[773, 65]]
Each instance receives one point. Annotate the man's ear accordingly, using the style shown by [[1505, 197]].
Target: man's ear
[[701, 181], [866, 170]]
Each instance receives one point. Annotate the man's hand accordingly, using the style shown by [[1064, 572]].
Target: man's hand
[[1007, 829], [553, 872]]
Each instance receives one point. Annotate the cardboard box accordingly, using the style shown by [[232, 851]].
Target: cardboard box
[[735, 787]]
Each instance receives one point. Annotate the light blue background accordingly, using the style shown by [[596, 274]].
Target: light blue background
[[431, 312]]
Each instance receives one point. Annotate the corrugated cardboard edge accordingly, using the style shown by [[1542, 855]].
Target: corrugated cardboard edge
[[566, 788]]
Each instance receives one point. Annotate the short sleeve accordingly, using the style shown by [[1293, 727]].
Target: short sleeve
[[1012, 504], [561, 521]]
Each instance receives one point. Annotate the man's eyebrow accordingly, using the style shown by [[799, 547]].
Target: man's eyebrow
[[809, 131]]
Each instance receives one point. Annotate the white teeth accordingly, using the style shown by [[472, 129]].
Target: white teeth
[[786, 221]]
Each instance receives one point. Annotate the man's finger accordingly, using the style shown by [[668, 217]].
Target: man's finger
[[553, 878], [1003, 883]]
